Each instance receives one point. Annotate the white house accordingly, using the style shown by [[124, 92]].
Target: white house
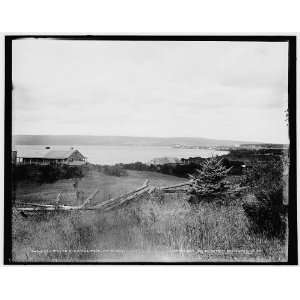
[[49, 156]]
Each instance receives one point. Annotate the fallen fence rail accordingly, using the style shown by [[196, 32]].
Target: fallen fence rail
[[105, 206], [113, 202], [188, 183]]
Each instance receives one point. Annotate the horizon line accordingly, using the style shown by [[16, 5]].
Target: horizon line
[[159, 137]]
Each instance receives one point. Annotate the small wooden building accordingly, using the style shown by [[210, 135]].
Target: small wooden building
[[48, 156]]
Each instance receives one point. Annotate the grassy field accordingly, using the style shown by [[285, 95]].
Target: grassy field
[[109, 186], [160, 227]]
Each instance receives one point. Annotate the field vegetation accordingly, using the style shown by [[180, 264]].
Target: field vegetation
[[156, 227]]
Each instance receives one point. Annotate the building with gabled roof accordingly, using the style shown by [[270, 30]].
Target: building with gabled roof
[[49, 156]]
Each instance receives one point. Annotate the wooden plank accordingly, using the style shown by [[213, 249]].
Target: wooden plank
[[34, 204], [176, 185]]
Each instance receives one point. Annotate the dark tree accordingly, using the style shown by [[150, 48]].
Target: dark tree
[[209, 179]]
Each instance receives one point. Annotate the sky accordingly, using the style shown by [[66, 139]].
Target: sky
[[222, 90]]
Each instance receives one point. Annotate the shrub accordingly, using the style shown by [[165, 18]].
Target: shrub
[[264, 175], [138, 166], [113, 171], [267, 214], [45, 174]]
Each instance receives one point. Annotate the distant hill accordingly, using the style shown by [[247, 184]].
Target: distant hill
[[117, 140]]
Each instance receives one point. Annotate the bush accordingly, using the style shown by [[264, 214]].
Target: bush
[[138, 166], [113, 171], [169, 169], [264, 176], [267, 214], [178, 170], [45, 174]]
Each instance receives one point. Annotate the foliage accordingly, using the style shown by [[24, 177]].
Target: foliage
[[236, 166], [45, 174], [113, 170], [179, 170], [157, 228], [138, 166], [258, 154], [265, 176], [209, 180], [267, 214]]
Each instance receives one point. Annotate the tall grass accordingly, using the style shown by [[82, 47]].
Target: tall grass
[[156, 228]]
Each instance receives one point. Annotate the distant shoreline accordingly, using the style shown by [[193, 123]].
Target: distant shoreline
[[110, 154], [121, 140]]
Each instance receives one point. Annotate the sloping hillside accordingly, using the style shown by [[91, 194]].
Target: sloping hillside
[[109, 186]]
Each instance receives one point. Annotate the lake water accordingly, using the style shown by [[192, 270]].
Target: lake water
[[110, 155]]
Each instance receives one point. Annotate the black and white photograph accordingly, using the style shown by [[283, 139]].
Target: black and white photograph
[[148, 149]]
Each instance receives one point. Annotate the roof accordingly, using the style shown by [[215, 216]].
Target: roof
[[56, 154], [32, 153], [45, 153]]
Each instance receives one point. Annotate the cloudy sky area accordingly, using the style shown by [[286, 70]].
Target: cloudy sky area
[[224, 90]]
